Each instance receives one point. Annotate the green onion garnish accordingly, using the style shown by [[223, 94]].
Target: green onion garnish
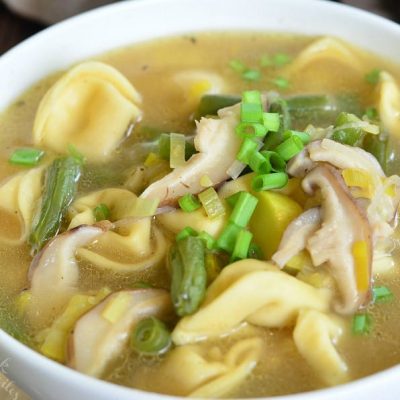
[[189, 203], [271, 121], [251, 130], [237, 65], [209, 241], [251, 97], [227, 239], [211, 203], [303, 136], [245, 205], [164, 146], [362, 324], [251, 112], [242, 244], [281, 59], [101, 212], [248, 147], [251, 75], [255, 252], [276, 162], [259, 164], [151, 337], [289, 148], [373, 76], [232, 199], [382, 294], [280, 82], [185, 232], [27, 157], [275, 180], [177, 150]]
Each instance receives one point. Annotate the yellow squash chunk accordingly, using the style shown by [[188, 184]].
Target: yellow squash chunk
[[273, 214]]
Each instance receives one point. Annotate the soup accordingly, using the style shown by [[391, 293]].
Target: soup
[[209, 215]]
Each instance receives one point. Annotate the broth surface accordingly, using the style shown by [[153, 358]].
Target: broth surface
[[151, 67]]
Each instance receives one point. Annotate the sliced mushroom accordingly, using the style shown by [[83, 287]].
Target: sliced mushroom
[[101, 334], [344, 225], [217, 144], [54, 273], [339, 155], [296, 235]]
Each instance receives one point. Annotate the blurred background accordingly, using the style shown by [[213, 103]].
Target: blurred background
[[20, 19]]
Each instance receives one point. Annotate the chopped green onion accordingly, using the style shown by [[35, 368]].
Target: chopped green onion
[[242, 244], [280, 82], [248, 147], [76, 154], [177, 150], [362, 324], [232, 199], [211, 203], [26, 157], [275, 180], [259, 164], [373, 76], [101, 212], [151, 337], [289, 148], [189, 203], [303, 136], [251, 112], [271, 121], [276, 162], [237, 65], [352, 136], [209, 241], [266, 61], [372, 113], [382, 294], [251, 97], [251, 75], [244, 208], [281, 59], [227, 239], [255, 252], [164, 147], [251, 130], [185, 232]]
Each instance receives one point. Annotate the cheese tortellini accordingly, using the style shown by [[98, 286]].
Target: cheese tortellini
[[19, 197], [206, 371], [134, 243], [249, 291], [90, 107], [315, 336]]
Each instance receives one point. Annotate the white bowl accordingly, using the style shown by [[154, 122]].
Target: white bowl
[[135, 21]]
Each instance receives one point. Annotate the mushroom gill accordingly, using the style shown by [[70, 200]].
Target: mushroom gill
[[344, 239]]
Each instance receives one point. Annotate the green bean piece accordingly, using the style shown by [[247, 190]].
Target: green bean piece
[[378, 147], [151, 337], [349, 136], [321, 109], [211, 103], [189, 275], [60, 188]]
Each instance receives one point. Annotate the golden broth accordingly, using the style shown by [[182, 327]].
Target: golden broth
[[151, 67]]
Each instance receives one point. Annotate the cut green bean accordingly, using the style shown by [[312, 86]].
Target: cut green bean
[[378, 147], [189, 275], [211, 103], [60, 188]]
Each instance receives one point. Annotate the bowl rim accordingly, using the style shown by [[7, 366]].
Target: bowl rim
[[70, 375]]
